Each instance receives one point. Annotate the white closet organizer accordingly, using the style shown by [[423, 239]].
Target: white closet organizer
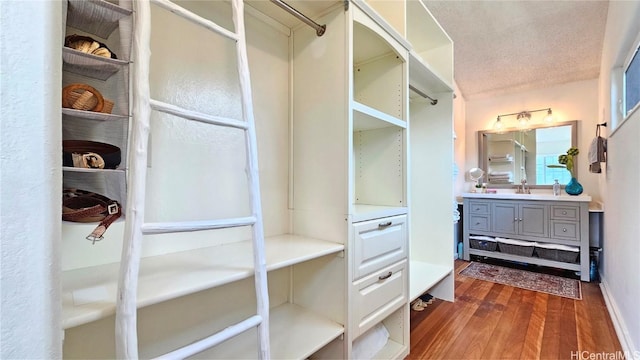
[[347, 215], [430, 145]]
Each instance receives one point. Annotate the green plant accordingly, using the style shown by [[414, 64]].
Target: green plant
[[566, 160]]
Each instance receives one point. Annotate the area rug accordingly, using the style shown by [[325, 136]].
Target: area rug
[[550, 284]]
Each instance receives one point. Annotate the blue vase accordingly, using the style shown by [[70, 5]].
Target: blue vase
[[573, 187]]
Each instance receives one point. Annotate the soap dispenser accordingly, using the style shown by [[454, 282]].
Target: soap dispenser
[[556, 188]]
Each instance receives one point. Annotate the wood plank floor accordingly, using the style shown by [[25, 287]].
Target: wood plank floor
[[494, 321]]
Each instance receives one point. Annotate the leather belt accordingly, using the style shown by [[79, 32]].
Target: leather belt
[[86, 206], [90, 154]]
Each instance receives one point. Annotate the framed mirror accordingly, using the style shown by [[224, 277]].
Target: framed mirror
[[510, 155]]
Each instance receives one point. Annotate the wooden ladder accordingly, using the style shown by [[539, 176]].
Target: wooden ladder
[[135, 228]]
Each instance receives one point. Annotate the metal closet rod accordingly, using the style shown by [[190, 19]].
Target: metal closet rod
[[320, 29], [433, 101]]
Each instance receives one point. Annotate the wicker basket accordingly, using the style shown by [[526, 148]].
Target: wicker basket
[[85, 97], [557, 252], [485, 243], [516, 247]]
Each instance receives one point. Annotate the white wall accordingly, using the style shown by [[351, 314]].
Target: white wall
[[459, 144], [31, 179], [620, 266], [570, 101]]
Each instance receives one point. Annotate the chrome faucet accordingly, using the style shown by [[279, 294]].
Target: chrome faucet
[[524, 189]]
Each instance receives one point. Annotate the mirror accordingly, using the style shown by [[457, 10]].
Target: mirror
[[513, 154]]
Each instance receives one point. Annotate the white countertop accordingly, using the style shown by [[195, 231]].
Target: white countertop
[[533, 196]]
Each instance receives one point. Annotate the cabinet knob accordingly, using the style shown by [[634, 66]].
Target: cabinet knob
[[520, 219], [385, 276], [515, 219], [564, 213], [564, 229]]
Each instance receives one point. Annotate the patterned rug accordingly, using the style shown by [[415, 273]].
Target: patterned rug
[[550, 284]]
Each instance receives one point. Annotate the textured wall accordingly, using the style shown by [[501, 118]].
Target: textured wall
[[30, 184]]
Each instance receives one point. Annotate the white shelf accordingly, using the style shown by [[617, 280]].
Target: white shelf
[[526, 259], [89, 65], [368, 118], [97, 17], [83, 170], [89, 294], [423, 276], [92, 115], [295, 333], [424, 78], [391, 350], [363, 212]]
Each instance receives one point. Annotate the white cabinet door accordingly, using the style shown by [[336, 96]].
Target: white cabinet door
[[379, 243]]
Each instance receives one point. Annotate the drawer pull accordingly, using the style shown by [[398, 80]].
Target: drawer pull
[[385, 276], [515, 219], [385, 224], [564, 213], [564, 229], [477, 209]]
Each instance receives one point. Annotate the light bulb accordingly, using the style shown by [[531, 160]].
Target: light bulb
[[549, 118], [498, 125]]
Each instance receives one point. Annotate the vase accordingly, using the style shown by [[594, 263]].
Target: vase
[[573, 187]]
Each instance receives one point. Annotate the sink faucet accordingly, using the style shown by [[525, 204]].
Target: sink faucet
[[524, 189]]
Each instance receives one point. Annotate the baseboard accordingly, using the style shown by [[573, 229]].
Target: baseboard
[[618, 321]]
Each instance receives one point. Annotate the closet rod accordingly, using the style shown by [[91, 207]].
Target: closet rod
[[433, 101], [320, 29]]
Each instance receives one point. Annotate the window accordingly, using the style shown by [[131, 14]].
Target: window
[[632, 83]]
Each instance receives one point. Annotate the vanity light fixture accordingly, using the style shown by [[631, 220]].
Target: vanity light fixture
[[523, 118]]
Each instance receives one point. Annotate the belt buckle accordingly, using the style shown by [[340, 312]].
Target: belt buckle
[[112, 208], [92, 160]]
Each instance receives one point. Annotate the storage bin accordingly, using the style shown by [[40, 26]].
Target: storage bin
[[485, 243], [516, 247], [557, 252]]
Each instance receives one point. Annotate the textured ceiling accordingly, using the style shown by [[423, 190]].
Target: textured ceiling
[[508, 46]]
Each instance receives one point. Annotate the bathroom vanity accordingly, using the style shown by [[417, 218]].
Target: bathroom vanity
[[539, 229]]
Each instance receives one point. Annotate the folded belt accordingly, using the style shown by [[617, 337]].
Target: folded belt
[[90, 154], [86, 206]]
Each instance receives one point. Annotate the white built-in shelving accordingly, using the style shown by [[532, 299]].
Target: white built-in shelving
[[90, 293]]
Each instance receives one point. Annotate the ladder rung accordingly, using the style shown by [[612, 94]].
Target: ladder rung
[[213, 340], [196, 19], [185, 226], [196, 116]]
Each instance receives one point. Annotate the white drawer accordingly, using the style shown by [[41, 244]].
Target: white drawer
[[378, 295], [379, 243]]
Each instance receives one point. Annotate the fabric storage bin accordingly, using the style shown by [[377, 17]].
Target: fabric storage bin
[[516, 247], [557, 252], [485, 243]]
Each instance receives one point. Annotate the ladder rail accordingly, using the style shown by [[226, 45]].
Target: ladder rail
[[126, 339], [213, 340], [197, 19], [186, 226], [196, 116], [126, 308], [260, 278]]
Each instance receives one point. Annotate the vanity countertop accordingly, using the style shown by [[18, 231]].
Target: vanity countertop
[[533, 196]]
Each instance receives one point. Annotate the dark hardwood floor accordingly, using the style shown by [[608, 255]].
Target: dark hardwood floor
[[494, 321]]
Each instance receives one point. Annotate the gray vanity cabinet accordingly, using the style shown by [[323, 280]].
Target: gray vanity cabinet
[[544, 222], [526, 219]]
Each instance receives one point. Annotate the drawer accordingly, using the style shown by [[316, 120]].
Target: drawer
[[379, 243], [477, 207], [378, 295], [565, 212], [477, 222], [564, 230]]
